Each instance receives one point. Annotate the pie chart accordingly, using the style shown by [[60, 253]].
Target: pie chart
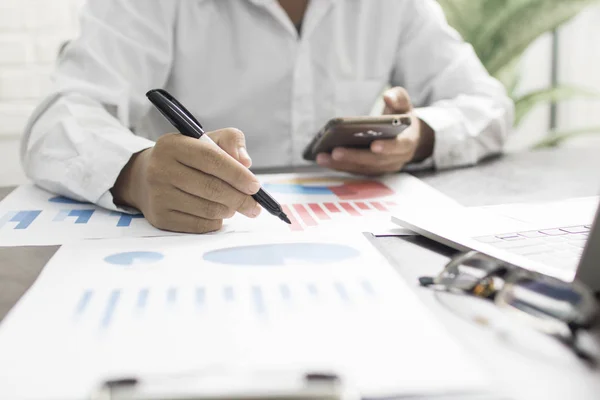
[[276, 255], [342, 188], [133, 258]]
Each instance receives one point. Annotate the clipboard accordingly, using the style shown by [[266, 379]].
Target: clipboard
[[229, 385]]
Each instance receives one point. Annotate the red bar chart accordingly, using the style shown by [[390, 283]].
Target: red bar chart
[[323, 201], [305, 216]]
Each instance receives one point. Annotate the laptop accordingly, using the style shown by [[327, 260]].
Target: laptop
[[560, 239]]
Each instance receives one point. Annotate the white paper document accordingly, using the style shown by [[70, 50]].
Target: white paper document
[[314, 202], [31, 216], [335, 201], [108, 309], [554, 214]]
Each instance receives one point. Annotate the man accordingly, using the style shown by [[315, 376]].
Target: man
[[274, 70]]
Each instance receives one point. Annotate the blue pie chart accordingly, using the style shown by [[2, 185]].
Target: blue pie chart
[[275, 255], [132, 258]]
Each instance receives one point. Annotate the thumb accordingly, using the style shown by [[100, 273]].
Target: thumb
[[233, 141], [397, 101]]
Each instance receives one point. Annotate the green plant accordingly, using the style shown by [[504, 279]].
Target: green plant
[[501, 30]]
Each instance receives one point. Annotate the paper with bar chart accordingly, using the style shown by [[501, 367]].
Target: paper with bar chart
[[31, 216], [318, 201], [167, 305], [341, 202]]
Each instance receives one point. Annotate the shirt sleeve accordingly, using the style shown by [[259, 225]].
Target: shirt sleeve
[[79, 139], [468, 110]]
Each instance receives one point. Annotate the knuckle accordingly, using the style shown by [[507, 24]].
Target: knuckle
[[217, 225], [214, 211], [213, 187], [239, 176], [201, 226], [206, 226], [235, 132], [373, 173], [166, 142], [214, 157], [393, 168], [160, 220], [401, 92], [230, 213], [379, 161], [245, 203]]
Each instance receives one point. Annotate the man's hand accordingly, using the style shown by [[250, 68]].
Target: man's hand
[[385, 156], [187, 185]]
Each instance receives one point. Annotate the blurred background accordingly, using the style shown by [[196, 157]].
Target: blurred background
[[547, 53]]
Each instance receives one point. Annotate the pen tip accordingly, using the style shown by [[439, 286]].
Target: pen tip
[[285, 218]]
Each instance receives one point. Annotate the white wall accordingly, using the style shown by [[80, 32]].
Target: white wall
[[536, 73], [31, 32], [580, 65]]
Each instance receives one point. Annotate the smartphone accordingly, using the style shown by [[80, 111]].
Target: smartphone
[[355, 132]]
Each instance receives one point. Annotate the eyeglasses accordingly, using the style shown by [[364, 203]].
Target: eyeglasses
[[554, 307]]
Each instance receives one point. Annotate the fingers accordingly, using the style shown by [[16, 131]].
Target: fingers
[[203, 208], [361, 157], [405, 144], [210, 159], [397, 101], [176, 221], [391, 164], [188, 185], [194, 184], [233, 142], [385, 156]]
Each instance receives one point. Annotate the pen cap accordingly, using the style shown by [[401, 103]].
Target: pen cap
[[176, 113]]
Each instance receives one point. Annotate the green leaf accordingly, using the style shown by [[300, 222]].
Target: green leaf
[[459, 14], [528, 102], [556, 138], [501, 30], [505, 36], [510, 77]]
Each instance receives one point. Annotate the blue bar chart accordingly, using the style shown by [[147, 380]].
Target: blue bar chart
[[23, 219], [78, 216], [256, 300], [125, 220]]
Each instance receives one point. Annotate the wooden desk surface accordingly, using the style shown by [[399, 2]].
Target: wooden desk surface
[[532, 365]]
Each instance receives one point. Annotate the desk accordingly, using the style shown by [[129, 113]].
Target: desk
[[535, 366]]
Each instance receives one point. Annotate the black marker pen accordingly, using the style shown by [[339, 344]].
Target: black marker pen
[[189, 126]]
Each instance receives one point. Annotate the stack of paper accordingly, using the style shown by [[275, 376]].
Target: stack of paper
[[259, 294], [166, 305], [314, 202]]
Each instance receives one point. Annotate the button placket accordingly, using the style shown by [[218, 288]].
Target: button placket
[[303, 112]]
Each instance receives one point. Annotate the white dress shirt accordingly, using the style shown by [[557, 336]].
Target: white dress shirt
[[242, 63]]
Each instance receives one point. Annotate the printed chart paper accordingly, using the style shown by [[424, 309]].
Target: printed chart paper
[[32, 216], [338, 201], [171, 305]]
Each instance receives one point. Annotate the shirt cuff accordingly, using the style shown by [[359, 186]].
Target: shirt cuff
[[104, 167], [451, 147]]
